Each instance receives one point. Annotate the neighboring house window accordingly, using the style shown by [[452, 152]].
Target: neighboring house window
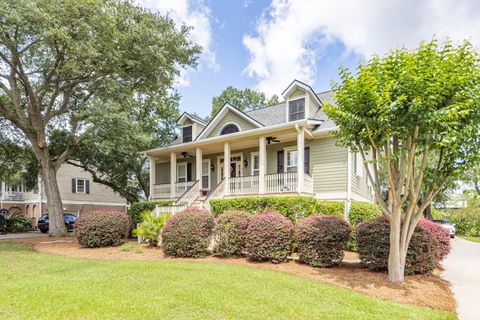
[[296, 109], [187, 134], [229, 128], [255, 163], [81, 186]]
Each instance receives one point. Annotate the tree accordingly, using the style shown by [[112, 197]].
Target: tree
[[244, 100], [121, 130], [57, 57], [413, 115]]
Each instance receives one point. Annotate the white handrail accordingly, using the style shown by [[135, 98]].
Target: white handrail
[[281, 182], [190, 195], [243, 185]]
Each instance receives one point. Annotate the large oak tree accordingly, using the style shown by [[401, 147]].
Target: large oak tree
[[414, 115], [56, 57]]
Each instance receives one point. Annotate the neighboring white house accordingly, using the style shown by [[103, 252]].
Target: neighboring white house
[[262, 146]]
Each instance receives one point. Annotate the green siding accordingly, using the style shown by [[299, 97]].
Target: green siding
[[231, 117], [359, 183]]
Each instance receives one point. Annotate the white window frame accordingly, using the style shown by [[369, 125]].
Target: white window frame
[[252, 163], [209, 163], [304, 98], [219, 165], [84, 185], [285, 158], [358, 164], [183, 138], [178, 171], [227, 124]]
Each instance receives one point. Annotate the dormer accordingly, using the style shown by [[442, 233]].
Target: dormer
[[191, 126], [301, 101]]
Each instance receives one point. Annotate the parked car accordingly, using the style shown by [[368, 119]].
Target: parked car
[[447, 225], [68, 217]]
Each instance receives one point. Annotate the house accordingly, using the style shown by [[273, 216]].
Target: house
[[285, 149], [78, 192]]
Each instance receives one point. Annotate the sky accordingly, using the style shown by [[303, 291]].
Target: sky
[[265, 45]]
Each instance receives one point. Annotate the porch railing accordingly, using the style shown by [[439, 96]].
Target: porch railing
[[163, 191], [243, 185], [190, 194], [281, 182], [12, 196]]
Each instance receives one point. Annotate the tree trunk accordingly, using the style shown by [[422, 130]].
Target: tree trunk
[[396, 263], [56, 226]]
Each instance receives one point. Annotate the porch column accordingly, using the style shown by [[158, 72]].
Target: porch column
[[198, 169], [152, 176], [173, 173], [226, 166], [301, 156], [262, 165]]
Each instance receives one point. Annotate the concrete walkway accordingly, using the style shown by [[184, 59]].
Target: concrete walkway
[[22, 235], [462, 271]]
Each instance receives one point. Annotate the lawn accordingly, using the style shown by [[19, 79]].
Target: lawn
[[474, 239], [43, 286]]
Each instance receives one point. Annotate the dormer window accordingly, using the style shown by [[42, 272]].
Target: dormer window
[[296, 109], [187, 134], [229, 128]]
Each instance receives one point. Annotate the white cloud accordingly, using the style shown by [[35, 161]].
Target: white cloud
[[290, 35], [193, 13]]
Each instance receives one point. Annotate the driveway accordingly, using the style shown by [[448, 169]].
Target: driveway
[[461, 270], [22, 235]]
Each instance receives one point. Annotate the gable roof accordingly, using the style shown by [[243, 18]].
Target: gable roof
[[219, 115], [191, 117], [295, 83]]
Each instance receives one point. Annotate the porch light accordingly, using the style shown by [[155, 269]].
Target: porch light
[[245, 163]]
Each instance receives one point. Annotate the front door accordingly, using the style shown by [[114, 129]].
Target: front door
[[235, 167]]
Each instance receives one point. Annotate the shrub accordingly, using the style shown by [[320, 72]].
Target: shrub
[[229, 233], [292, 207], [19, 223], [3, 224], [151, 227], [269, 237], [137, 208], [188, 233], [321, 240], [467, 221], [363, 211], [441, 235], [373, 239], [102, 228]]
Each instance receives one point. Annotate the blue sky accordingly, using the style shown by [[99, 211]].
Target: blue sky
[[264, 45]]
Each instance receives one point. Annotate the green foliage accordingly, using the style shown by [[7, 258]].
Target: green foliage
[[467, 221], [3, 224], [19, 223], [102, 228], [18, 162], [244, 100], [292, 207], [363, 211], [230, 233], [151, 227], [137, 208]]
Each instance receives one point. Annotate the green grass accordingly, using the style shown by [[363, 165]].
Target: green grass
[[474, 239], [41, 286]]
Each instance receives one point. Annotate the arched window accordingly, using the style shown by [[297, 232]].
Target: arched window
[[229, 128]]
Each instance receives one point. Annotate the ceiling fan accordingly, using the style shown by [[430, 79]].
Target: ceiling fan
[[186, 155], [272, 139]]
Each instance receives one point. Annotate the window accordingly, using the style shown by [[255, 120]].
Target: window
[[255, 163], [206, 174], [292, 160], [181, 172], [229, 128], [187, 134], [81, 186], [296, 109], [357, 164], [289, 157]]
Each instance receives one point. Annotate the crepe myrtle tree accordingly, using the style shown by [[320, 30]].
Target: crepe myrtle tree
[[414, 116], [57, 56]]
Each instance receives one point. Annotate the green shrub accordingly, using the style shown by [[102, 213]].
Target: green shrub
[[467, 221], [151, 227], [3, 224], [269, 237], [102, 228], [321, 240], [373, 239], [230, 233], [19, 223], [292, 207], [188, 233], [363, 211], [137, 208]]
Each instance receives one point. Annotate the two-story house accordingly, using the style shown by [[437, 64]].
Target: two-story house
[[78, 192], [285, 149]]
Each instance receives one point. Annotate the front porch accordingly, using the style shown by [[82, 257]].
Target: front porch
[[261, 165]]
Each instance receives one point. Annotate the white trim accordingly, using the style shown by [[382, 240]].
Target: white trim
[[232, 155], [252, 169], [179, 164], [209, 163], [305, 101], [234, 123], [84, 185], [349, 185], [295, 83], [286, 150], [186, 114], [226, 107], [97, 203], [183, 127]]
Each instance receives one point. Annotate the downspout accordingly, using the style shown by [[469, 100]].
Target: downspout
[[348, 202]]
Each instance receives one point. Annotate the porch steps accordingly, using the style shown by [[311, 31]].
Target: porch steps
[[199, 202]]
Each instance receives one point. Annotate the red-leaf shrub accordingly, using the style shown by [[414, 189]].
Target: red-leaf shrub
[[102, 228], [188, 233], [441, 234], [230, 232], [373, 239], [269, 237], [321, 240]]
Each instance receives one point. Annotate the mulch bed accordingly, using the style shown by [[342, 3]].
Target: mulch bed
[[421, 290]]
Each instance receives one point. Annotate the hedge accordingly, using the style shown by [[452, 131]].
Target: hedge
[[292, 207], [363, 211], [136, 209], [467, 221]]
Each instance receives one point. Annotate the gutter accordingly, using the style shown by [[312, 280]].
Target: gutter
[[348, 202]]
